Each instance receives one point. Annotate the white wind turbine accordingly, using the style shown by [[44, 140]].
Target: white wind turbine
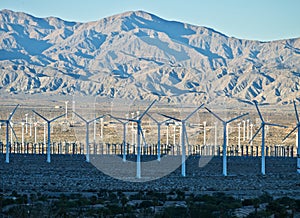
[[45, 123], [298, 137], [49, 132], [158, 133], [244, 130], [22, 137], [35, 131], [138, 121], [239, 137], [225, 124], [183, 136], [26, 123], [262, 128], [66, 108], [73, 108], [204, 133], [7, 122], [101, 128], [30, 126], [87, 125], [167, 139], [124, 123], [11, 132]]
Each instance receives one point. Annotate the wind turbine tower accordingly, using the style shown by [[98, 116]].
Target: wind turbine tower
[[66, 102], [183, 136], [262, 128], [124, 123], [297, 137], [26, 123], [7, 122], [49, 132], [139, 133], [138, 121], [158, 134], [87, 125], [225, 125]]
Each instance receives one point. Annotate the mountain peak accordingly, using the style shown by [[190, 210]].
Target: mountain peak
[[144, 56], [134, 14]]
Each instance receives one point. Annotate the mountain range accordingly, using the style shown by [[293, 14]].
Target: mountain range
[[138, 55]]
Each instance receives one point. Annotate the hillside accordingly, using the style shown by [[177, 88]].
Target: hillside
[[137, 55]]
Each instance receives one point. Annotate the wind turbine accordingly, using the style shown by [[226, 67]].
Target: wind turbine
[[204, 133], [225, 124], [139, 133], [73, 108], [124, 123], [262, 128], [26, 123], [298, 137], [87, 124], [239, 137], [158, 133], [49, 132], [22, 132], [7, 122], [138, 121], [183, 135], [66, 108], [35, 132]]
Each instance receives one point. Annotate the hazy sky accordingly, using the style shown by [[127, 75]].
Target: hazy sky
[[256, 19]]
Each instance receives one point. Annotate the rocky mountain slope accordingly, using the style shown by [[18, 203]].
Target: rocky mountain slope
[[138, 55]]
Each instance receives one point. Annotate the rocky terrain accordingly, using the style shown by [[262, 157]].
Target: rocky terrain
[[137, 55], [71, 174]]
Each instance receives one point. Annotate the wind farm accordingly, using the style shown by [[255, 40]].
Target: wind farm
[[199, 133], [211, 152]]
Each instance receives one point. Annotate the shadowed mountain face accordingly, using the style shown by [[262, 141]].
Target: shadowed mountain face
[[137, 55]]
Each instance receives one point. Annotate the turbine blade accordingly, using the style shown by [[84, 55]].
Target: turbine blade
[[143, 136], [173, 118], [186, 136], [215, 115], [191, 114], [129, 120], [255, 134], [152, 118], [57, 117], [125, 119], [79, 116], [262, 119], [235, 118], [246, 101], [274, 124], [165, 121], [148, 108], [13, 131], [288, 135], [97, 118], [12, 113], [41, 116], [297, 116], [116, 118], [156, 121], [132, 120]]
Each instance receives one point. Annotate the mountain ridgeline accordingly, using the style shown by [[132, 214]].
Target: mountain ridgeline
[[137, 55]]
